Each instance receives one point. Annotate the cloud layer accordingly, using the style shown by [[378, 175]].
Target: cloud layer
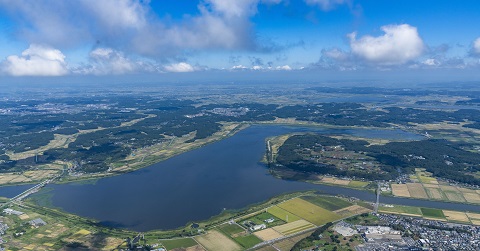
[[37, 60], [399, 44]]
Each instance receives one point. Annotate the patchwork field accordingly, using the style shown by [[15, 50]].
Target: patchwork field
[[404, 210], [179, 243], [432, 213], [416, 190], [436, 192], [215, 240], [282, 214], [268, 234], [329, 203], [309, 211], [456, 216], [400, 190], [352, 210], [286, 245], [293, 227]]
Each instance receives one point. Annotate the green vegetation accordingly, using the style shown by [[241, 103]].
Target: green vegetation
[[329, 203], [432, 213], [178, 243], [230, 229], [262, 217], [441, 158], [401, 210], [247, 241], [282, 214]]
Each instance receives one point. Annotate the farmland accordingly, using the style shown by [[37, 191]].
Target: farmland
[[309, 211], [434, 214]]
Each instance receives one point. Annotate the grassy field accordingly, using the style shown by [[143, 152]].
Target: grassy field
[[216, 241], [282, 214], [260, 219], [248, 241], [329, 203], [432, 213], [294, 227], [405, 210], [309, 211], [178, 243], [268, 234], [230, 229], [400, 190]]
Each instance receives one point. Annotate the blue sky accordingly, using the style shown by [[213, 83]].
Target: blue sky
[[351, 37]]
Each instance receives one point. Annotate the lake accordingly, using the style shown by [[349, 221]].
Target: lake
[[199, 184]]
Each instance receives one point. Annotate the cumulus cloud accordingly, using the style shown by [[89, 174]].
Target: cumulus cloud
[[476, 46], [132, 26], [399, 44], [37, 60], [284, 68], [327, 4], [239, 67], [180, 67], [109, 61]]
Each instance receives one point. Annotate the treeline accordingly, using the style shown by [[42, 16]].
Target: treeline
[[443, 158], [308, 241]]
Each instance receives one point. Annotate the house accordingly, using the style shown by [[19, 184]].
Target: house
[[10, 211], [270, 220], [258, 227], [37, 222]]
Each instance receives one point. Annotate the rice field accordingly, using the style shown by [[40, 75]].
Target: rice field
[[309, 211], [216, 241], [416, 190], [293, 227], [400, 190], [282, 214]]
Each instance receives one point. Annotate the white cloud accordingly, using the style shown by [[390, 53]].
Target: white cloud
[[284, 68], [132, 25], [239, 67], [257, 68], [37, 60], [327, 4], [476, 46], [180, 67], [399, 44], [431, 62], [109, 61]]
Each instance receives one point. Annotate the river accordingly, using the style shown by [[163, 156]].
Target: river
[[199, 184]]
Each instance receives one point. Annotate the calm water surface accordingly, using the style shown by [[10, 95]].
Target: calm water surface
[[199, 184]]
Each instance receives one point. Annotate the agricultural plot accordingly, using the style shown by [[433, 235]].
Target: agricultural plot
[[329, 203], [263, 217], [400, 190], [352, 210], [472, 197], [454, 196], [231, 229], [293, 227], [434, 192], [248, 241], [286, 245], [416, 190], [216, 241], [193, 248], [268, 234], [404, 210], [456, 216], [282, 214], [359, 184], [309, 211], [432, 213], [178, 243]]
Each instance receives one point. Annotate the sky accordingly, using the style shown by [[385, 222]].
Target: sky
[[275, 38]]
